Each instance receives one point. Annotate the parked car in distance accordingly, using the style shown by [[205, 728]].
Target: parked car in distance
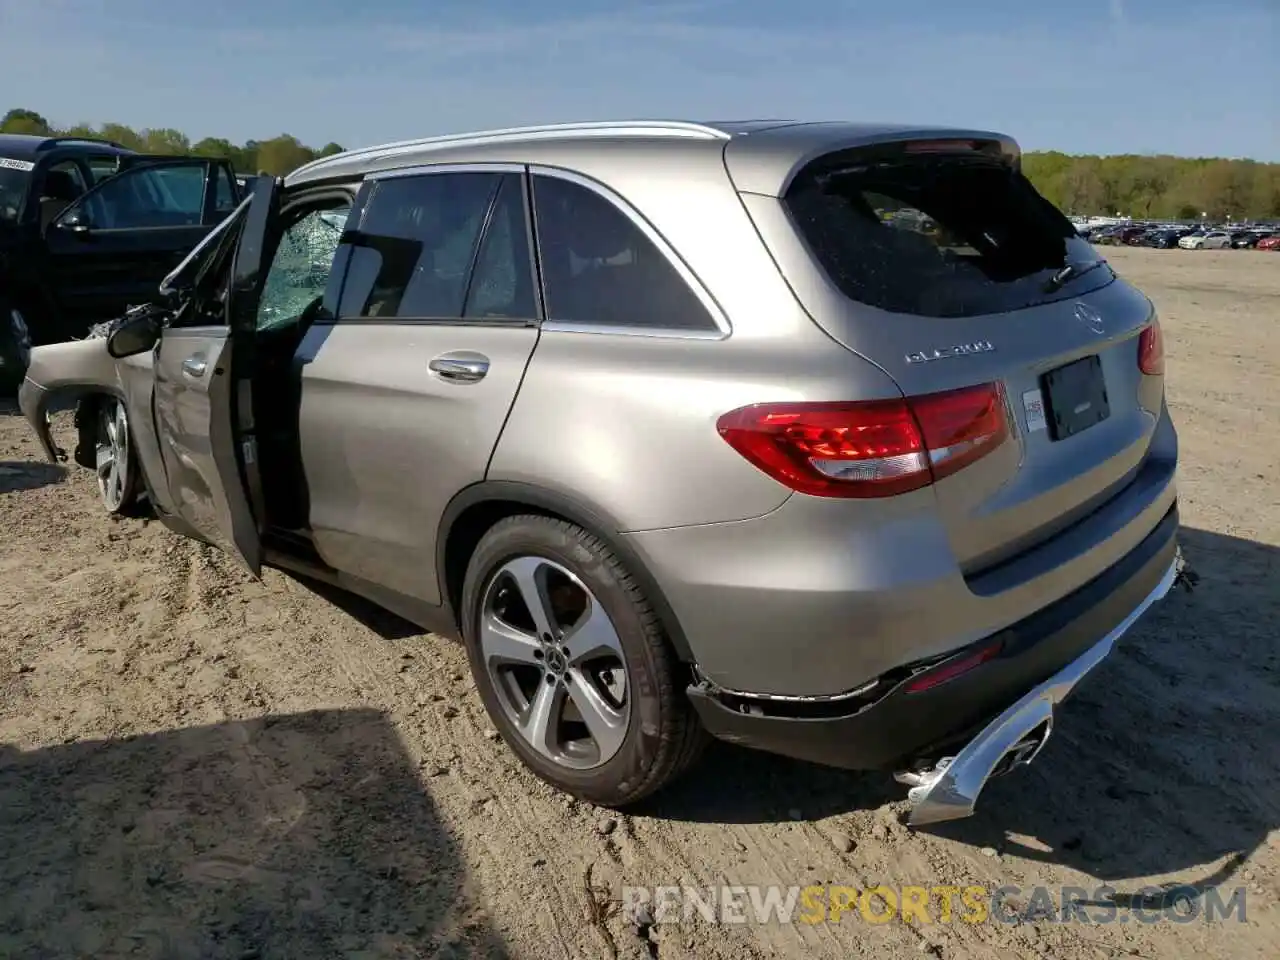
[[1213, 240], [1269, 243], [87, 228], [1162, 239], [675, 432], [1248, 239]]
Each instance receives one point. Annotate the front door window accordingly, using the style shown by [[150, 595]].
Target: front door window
[[301, 266]]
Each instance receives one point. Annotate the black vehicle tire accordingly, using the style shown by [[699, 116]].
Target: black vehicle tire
[[116, 466], [579, 579], [15, 348]]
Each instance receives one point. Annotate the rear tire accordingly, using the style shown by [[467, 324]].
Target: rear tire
[[588, 694]]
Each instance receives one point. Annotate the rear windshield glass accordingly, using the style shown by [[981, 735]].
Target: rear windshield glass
[[941, 235]]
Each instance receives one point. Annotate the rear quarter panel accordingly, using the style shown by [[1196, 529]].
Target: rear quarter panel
[[625, 423]]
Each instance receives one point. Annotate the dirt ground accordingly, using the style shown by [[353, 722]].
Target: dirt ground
[[194, 763]]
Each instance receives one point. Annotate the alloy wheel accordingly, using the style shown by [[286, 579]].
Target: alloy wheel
[[555, 662], [112, 458]]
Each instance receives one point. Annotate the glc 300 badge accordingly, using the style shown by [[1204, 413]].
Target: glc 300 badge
[[959, 350]]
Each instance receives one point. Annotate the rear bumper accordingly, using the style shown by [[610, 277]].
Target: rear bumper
[[1058, 643]]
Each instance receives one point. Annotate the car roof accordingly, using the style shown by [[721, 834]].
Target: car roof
[[21, 146], [763, 155]]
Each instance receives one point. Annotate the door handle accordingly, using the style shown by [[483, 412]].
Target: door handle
[[461, 366], [194, 367]]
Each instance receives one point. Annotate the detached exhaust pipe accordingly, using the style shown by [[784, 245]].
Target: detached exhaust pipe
[[949, 790]]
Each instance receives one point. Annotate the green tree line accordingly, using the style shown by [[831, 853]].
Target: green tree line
[[278, 156], [1130, 185], [1157, 187]]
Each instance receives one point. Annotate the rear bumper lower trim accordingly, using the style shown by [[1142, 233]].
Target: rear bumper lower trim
[[1021, 730]]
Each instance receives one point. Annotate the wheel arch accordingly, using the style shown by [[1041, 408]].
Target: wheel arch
[[475, 509], [87, 398], [87, 401]]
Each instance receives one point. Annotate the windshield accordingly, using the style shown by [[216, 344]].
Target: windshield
[[940, 236], [14, 177]]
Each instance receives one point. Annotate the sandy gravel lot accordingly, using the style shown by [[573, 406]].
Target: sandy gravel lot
[[197, 764]]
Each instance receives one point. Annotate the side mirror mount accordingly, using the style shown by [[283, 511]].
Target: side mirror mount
[[136, 335]]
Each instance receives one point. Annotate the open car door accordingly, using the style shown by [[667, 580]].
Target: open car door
[[111, 246], [202, 396]]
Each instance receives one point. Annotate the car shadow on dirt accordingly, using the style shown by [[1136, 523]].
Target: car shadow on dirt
[[380, 620], [19, 475], [304, 835], [1160, 763], [736, 785]]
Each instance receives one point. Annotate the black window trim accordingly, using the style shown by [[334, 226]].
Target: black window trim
[[370, 182], [722, 326]]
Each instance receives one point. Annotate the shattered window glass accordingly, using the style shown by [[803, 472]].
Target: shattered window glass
[[301, 266]]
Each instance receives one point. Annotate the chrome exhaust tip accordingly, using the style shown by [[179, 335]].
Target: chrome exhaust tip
[[949, 789]]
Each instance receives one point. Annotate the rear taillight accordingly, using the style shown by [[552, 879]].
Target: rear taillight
[[875, 448], [1151, 350]]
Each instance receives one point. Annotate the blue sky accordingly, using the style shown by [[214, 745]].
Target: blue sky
[[1198, 77]]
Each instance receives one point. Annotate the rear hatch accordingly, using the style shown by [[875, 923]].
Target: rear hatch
[[938, 261]]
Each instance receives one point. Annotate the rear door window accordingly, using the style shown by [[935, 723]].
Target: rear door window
[[939, 235]]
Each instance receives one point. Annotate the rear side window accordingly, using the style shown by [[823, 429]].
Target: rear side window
[[939, 235], [416, 245], [599, 267]]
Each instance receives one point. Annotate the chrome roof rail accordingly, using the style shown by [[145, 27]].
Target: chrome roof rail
[[550, 131]]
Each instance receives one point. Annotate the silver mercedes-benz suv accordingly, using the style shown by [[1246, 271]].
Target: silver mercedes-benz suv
[[828, 439]]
